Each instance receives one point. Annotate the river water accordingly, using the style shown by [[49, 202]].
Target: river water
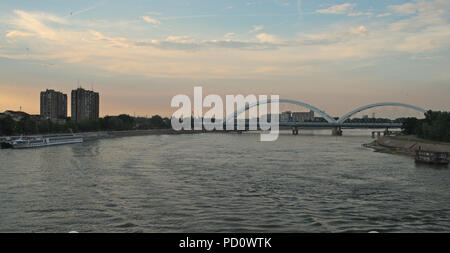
[[221, 183]]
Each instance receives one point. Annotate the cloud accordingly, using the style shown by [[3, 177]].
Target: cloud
[[256, 28], [360, 13], [17, 34], [266, 38], [190, 17], [33, 23], [331, 38], [75, 13], [229, 35], [426, 13], [345, 8], [436, 7], [181, 43], [151, 20], [337, 9], [180, 39], [360, 30], [384, 15], [407, 8], [184, 56], [428, 40]]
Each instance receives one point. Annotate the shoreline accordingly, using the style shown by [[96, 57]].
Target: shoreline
[[91, 136], [406, 145]]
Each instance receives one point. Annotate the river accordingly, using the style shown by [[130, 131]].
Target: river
[[221, 183]]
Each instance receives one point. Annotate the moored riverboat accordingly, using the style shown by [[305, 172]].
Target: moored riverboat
[[439, 158], [35, 142]]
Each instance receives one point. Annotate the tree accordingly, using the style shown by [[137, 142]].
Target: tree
[[7, 126], [410, 126]]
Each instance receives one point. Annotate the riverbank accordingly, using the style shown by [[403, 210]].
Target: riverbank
[[407, 145], [90, 136]]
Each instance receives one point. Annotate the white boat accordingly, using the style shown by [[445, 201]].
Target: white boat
[[35, 142]]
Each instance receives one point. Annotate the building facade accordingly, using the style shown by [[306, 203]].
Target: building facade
[[84, 105], [303, 116], [53, 105]]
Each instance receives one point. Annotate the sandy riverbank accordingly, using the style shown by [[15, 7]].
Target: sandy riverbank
[[406, 145]]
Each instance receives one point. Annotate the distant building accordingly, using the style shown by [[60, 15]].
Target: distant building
[[303, 116], [85, 105], [285, 116], [269, 117], [53, 105]]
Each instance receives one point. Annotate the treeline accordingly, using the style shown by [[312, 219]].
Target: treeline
[[435, 126], [30, 125]]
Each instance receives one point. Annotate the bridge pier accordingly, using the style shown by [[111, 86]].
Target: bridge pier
[[295, 131], [336, 131]]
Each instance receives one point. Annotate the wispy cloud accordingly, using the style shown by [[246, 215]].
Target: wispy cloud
[[422, 15], [266, 38], [359, 13], [387, 14], [346, 8], [407, 8], [75, 13], [151, 20], [337, 9], [256, 28], [78, 12], [184, 55], [17, 34], [229, 35], [190, 17]]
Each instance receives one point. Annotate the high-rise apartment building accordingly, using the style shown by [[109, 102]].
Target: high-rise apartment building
[[53, 105], [85, 105]]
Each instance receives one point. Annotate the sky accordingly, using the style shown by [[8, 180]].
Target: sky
[[335, 55]]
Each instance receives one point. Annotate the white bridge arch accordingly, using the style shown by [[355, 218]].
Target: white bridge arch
[[289, 101], [342, 119], [322, 113]]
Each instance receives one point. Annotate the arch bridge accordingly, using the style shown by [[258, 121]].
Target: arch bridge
[[335, 124]]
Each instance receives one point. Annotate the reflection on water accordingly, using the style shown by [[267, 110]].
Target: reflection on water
[[221, 183]]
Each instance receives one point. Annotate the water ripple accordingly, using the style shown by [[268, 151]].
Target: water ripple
[[220, 183]]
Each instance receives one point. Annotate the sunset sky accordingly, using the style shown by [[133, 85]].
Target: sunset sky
[[335, 55]]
